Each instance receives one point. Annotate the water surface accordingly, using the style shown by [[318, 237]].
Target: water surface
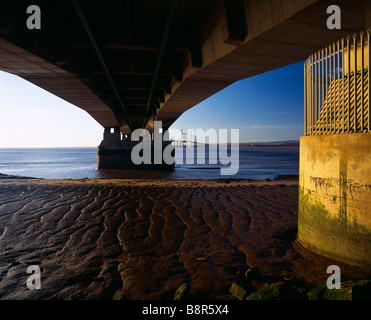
[[256, 163]]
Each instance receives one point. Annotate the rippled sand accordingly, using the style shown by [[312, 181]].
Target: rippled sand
[[132, 239]]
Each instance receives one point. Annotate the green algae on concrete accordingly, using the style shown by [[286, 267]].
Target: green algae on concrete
[[331, 234], [334, 216]]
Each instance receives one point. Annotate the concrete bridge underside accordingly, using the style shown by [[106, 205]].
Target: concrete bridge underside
[[128, 63]]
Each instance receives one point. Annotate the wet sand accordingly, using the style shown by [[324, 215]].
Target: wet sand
[[133, 239]]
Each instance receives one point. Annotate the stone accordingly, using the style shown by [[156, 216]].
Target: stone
[[318, 292], [350, 290], [181, 292], [282, 290], [271, 292], [238, 291]]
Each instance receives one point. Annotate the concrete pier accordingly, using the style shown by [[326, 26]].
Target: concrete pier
[[115, 152], [334, 196]]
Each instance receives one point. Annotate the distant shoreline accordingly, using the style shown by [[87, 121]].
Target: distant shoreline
[[219, 180], [9, 176], [241, 144]]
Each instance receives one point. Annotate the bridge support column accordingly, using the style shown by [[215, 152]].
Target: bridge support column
[[334, 196], [115, 152]]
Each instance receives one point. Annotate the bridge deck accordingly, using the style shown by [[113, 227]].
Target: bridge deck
[[210, 45]]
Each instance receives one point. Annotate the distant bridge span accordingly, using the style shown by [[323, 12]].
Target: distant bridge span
[[128, 63]]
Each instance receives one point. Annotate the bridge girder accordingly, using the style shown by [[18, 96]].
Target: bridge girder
[[210, 45]]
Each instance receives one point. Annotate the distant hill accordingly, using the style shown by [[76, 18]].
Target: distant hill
[[288, 143]]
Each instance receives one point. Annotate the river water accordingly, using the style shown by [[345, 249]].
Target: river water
[[257, 163]]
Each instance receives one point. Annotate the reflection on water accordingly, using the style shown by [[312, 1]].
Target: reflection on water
[[256, 163]]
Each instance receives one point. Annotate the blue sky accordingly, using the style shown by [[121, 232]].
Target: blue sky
[[267, 107]]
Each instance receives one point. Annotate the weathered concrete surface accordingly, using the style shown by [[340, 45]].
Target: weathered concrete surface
[[119, 156], [55, 80], [278, 33], [115, 152], [334, 196]]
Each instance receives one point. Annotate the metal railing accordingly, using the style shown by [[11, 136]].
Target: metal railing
[[336, 87]]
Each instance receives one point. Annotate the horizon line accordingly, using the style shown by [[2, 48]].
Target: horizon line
[[80, 147]]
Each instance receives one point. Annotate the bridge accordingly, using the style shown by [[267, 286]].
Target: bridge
[[129, 63]]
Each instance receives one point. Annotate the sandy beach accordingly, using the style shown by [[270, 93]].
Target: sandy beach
[[140, 239]]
